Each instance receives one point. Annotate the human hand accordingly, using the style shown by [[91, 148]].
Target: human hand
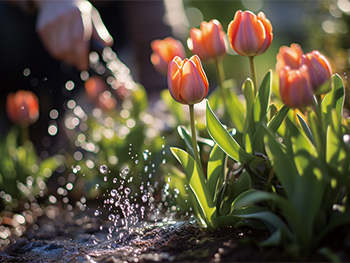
[[66, 28]]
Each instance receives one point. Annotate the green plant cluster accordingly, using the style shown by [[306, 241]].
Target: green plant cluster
[[276, 168]]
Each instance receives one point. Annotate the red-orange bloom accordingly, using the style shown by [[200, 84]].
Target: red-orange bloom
[[294, 87], [187, 81], [250, 35], [208, 42], [97, 91], [319, 70], [164, 51], [22, 107], [289, 56]]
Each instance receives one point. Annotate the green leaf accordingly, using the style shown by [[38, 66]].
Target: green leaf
[[306, 128], [249, 93], [224, 139], [235, 110], [337, 154], [289, 211], [262, 100], [333, 100], [215, 169], [317, 133], [184, 134], [197, 184], [283, 166], [278, 118]]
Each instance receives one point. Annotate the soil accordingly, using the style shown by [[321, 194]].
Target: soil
[[84, 238]]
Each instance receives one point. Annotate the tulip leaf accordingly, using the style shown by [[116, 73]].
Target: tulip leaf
[[316, 132], [215, 169], [197, 183], [249, 93], [336, 151], [305, 128], [262, 100], [235, 109], [333, 100], [184, 134], [290, 213], [224, 139]]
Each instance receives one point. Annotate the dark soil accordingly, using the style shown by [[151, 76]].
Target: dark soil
[[80, 239]]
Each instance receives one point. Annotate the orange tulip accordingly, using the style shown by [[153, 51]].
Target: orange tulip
[[98, 93], [319, 70], [295, 88], [164, 51], [208, 42], [289, 56], [22, 107], [187, 81], [250, 35]]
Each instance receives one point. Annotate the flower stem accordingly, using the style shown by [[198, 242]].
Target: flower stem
[[24, 134], [220, 73], [194, 136], [253, 73]]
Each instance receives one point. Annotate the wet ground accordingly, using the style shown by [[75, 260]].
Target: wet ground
[[84, 238]]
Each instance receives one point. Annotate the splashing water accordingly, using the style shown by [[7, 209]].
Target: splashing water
[[103, 169]]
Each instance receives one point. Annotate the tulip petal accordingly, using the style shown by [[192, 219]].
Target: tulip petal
[[233, 27], [201, 72], [174, 79], [193, 89]]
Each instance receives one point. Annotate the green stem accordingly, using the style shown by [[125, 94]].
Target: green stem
[[194, 136], [220, 73], [24, 134], [253, 73]]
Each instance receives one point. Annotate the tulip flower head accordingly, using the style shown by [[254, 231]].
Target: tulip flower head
[[208, 42], [319, 70], [22, 107], [187, 81], [164, 51], [295, 88], [250, 35], [289, 56]]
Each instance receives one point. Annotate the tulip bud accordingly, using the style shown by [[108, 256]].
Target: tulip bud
[[164, 51], [289, 56], [98, 93], [250, 35], [319, 70], [208, 42], [294, 87], [187, 81], [22, 107]]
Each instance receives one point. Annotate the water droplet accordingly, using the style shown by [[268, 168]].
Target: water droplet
[[127, 191], [145, 154], [103, 169], [105, 178], [146, 169], [144, 198], [96, 213], [136, 161], [125, 172], [111, 217], [113, 192], [96, 187]]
